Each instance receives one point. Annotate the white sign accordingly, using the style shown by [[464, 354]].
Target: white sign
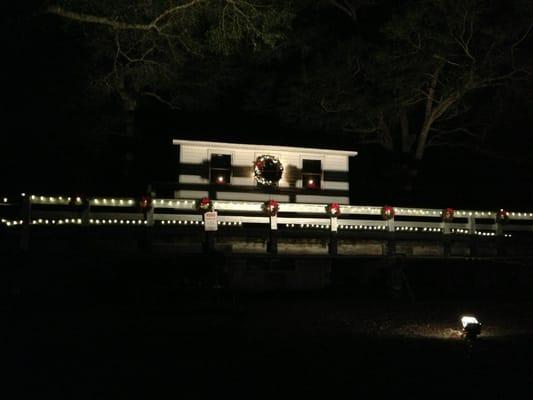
[[334, 224], [211, 221], [274, 222]]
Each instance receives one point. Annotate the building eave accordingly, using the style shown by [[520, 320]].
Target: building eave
[[261, 147]]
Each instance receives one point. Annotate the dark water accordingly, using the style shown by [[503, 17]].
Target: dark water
[[98, 327]]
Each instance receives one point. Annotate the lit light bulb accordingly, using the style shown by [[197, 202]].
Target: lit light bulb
[[220, 179]]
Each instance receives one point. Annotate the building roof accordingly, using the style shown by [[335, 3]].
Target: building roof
[[263, 147]]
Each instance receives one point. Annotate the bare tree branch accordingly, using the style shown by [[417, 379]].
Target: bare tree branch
[[346, 8], [341, 108], [120, 25], [161, 100], [520, 40]]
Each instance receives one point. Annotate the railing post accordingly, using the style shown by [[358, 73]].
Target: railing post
[[86, 212], [445, 226], [446, 241], [471, 224], [148, 228], [272, 246], [472, 234], [498, 229], [391, 241], [149, 217], [500, 239], [333, 224], [24, 241]]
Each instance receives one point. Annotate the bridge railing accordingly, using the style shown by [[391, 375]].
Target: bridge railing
[[59, 210]]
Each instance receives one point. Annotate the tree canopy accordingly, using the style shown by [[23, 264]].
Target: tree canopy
[[141, 48], [414, 79], [409, 77]]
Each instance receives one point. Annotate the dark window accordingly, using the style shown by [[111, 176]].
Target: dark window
[[220, 169], [311, 174]]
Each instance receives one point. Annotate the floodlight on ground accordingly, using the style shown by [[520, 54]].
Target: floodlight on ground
[[471, 327]]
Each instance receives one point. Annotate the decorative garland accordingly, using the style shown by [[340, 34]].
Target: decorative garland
[[447, 214], [205, 204], [333, 209], [387, 212], [145, 203], [267, 170], [271, 207], [502, 216]]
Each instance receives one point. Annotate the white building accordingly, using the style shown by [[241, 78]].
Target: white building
[[226, 171]]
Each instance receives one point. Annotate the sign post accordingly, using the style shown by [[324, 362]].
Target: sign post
[[210, 227]]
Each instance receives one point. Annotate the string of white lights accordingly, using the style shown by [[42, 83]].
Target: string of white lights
[[223, 205]]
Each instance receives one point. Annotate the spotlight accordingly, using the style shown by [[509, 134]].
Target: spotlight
[[471, 327]]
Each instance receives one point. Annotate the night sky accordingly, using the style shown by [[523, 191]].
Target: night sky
[[57, 139]]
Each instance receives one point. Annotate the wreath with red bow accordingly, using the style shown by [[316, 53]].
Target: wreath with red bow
[[205, 204], [333, 209], [267, 170], [271, 207], [448, 214], [145, 203], [387, 212], [502, 216]]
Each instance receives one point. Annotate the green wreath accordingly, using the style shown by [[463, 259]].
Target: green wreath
[[268, 170]]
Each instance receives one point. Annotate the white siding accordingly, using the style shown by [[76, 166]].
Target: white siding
[[304, 198], [241, 181], [192, 179], [243, 158], [336, 163], [194, 155], [251, 196], [329, 185], [190, 194]]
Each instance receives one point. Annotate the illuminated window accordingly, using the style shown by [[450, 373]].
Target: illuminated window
[[220, 169], [311, 174]]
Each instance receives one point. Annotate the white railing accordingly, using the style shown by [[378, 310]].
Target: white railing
[[104, 211]]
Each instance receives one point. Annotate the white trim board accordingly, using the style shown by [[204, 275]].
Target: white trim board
[[260, 148]]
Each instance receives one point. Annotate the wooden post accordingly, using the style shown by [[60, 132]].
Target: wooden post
[[498, 229], [500, 239], [472, 235], [149, 217], [333, 249], [391, 242], [210, 227], [446, 241], [85, 213], [272, 246], [209, 242], [148, 229], [24, 241], [472, 225]]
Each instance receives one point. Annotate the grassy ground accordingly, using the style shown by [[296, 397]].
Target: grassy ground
[[101, 332]]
